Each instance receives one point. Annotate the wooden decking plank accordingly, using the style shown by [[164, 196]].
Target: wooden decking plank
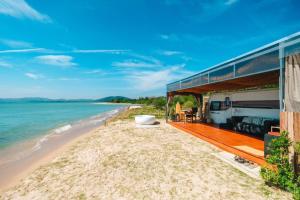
[[224, 139]]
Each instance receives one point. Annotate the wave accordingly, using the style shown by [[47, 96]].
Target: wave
[[63, 128], [94, 120]]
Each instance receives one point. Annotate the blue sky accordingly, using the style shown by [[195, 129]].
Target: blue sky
[[97, 48]]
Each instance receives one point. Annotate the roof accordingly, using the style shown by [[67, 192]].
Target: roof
[[260, 60]]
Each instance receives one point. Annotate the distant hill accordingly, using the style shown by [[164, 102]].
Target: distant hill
[[39, 99], [114, 99], [158, 102]]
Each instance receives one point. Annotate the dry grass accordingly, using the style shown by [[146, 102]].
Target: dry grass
[[145, 110]]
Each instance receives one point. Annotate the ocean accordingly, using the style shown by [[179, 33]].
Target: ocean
[[21, 122]]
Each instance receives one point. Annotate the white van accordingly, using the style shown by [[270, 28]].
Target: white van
[[253, 103]]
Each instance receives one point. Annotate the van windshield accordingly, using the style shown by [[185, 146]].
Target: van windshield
[[215, 105]]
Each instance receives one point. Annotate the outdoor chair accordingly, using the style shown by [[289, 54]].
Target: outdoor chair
[[180, 115], [190, 115]]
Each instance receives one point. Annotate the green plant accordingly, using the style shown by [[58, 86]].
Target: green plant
[[297, 147], [159, 103], [188, 105], [282, 173], [182, 100], [145, 110]]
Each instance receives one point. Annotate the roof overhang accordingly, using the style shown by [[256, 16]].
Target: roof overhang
[[257, 80], [255, 68]]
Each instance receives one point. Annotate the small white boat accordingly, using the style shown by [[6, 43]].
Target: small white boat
[[145, 119]]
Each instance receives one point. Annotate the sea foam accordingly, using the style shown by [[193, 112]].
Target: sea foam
[[63, 128]]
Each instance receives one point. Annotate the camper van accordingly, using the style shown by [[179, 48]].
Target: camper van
[[252, 107]]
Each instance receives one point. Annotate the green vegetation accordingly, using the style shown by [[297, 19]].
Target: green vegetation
[[82, 196], [186, 102], [145, 110], [183, 99], [157, 102], [283, 174], [297, 147], [116, 99], [188, 105]]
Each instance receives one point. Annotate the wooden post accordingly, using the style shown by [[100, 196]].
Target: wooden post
[[199, 99], [167, 108], [169, 99]]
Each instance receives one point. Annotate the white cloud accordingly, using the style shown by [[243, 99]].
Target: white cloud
[[56, 60], [170, 53], [135, 63], [172, 37], [95, 71], [139, 61], [212, 40], [23, 50], [110, 51], [21, 9], [150, 80], [230, 2], [34, 76], [163, 36], [145, 58], [68, 79], [203, 3], [99, 72], [5, 64], [201, 11], [16, 43]]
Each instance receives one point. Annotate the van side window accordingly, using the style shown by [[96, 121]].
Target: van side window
[[215, 105]]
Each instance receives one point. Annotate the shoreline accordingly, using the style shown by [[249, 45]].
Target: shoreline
[[111, 103], [13, 171]]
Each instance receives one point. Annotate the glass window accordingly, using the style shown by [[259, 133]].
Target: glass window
[[200, 80], [261, 63], [221, 74], [215, 105], [293, 49], [186, 83]]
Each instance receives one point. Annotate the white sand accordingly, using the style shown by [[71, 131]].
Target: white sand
[[120, 161]]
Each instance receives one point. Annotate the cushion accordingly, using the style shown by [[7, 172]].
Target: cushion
[[266, 119], [257, 121], [239, 127], [247, 120]]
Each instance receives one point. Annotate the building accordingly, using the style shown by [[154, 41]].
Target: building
[[277, 63]]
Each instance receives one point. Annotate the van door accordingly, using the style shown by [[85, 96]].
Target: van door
[[217, 115]]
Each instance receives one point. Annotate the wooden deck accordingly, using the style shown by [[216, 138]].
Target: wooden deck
[[227, 140]]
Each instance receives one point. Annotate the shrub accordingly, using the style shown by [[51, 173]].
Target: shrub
[[159, 103], [297, 147], [188, 105], [282, 174]]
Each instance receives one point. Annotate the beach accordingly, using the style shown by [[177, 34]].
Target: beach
[[25, 155], [119, 161]]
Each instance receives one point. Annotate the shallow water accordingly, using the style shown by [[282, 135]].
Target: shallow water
[[31, 131], [21, 121]]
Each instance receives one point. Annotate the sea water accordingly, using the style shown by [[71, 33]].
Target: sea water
[[23, 121]]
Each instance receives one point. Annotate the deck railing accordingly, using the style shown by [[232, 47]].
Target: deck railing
[[264, 59]]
